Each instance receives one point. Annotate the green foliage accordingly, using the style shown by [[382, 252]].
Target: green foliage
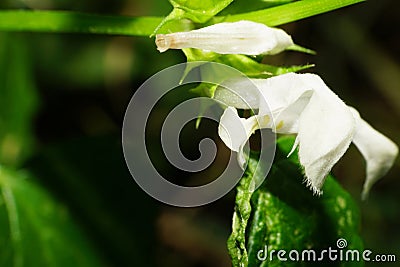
[[254, 69], [72, 22], [242, 6], [199, 11], [285, 215], [291, 12], [247, 65], [237, 240], [36, 230], [18, 100]]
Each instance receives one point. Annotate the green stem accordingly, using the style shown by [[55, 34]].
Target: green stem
[[291, 12], [70, 22], [237, 240]]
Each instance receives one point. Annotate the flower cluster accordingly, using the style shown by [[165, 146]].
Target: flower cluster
[[291, 103], [324, 124]]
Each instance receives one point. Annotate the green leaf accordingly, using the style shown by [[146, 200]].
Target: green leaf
[[36, 230], [198, 11], [73, 22], [193, 54], [253, 69], [237, 240], [290, 12], [242, 6], [18, 100], [299, 48], [286, 215], [247, 65]]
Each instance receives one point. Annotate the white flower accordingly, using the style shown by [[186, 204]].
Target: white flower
[[242, 37], [324, 124]]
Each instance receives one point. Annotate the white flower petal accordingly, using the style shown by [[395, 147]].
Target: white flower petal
[[281, 97], [303, 104], [238, 93], [235, 131], [379, 151], [284, 96], [326, 129], [242, 37], [325, 125], [232, 129]]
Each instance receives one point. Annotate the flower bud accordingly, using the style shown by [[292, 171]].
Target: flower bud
[[242, 37]]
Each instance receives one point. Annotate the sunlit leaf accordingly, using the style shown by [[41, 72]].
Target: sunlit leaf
[[254, 69], [290, 12], [247, 65], [241, 6], [198, 11], [75, 22]]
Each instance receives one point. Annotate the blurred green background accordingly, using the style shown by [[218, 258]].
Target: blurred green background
[[62, 102]]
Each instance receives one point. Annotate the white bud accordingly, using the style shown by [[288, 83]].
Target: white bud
[[242, 37]]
